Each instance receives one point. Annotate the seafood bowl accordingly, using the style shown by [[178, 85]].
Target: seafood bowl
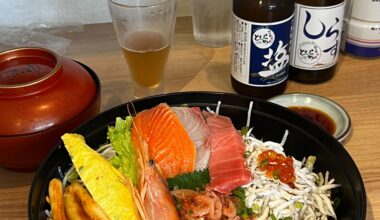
[[269, 122]]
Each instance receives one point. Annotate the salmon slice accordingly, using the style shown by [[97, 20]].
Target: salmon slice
[[169, 144]]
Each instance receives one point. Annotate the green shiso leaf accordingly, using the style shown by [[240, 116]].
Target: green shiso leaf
[[196, 180]]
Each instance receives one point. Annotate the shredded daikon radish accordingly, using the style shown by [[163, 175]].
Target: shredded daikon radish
[[249, 114], [219, 103], [276, 199], [218, 107]]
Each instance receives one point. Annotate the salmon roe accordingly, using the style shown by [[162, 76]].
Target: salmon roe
[[277, 166]]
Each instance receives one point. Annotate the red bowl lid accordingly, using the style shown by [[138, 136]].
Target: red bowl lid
[[40, 90]]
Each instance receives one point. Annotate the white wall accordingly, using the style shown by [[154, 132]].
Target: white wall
[[39, 13]]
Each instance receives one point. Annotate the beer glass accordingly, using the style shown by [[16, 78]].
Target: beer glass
[[144, 30]]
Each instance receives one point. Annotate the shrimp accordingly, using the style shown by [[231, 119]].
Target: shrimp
[[218, 206], [229, 209], [204, 205], [154, 193]]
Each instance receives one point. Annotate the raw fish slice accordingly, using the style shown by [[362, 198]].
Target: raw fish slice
[[169, 144], [227, 166], [225, 185], [196, 127], [225, 138], [192, 120], [202, 157], [232, 172]]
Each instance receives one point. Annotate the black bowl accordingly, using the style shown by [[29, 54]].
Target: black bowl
[[269, 122]]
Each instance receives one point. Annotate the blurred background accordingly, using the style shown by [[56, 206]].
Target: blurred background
[[41, 23], [52, 13]]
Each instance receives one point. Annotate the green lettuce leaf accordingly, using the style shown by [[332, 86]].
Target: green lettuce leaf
[[120, 138]]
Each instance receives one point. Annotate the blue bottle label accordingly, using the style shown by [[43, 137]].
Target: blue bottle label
[[260, 51]]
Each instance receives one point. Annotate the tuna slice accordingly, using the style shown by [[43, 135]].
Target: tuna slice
[[196, 127], [169, 144], [227, 165]]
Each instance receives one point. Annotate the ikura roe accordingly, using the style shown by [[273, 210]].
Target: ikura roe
[[277, 166]]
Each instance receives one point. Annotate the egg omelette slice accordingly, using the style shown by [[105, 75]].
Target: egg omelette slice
[[108, 187]]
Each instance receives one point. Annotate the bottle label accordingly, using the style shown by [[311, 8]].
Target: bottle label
[[260, 51], [316, 37]]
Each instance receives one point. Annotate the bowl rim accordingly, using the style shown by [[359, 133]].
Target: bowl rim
[[342, 136], [10, 54]]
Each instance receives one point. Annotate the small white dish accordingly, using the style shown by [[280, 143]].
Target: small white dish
[[336, 112]]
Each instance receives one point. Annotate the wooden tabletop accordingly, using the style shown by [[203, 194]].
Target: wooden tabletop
[[355, 86]]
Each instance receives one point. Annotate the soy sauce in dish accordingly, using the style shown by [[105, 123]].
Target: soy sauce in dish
[[317, 116]]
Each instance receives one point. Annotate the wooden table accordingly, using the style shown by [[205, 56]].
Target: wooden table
[[356, 86]]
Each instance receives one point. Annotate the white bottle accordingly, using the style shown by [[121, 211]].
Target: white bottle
[[362, 28]]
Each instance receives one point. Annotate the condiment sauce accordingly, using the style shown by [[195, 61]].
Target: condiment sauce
[[317, 116]]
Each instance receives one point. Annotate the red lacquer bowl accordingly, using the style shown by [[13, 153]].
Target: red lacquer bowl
[[42, 96]]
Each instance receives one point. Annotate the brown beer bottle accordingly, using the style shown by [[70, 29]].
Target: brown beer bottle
[[261, 32], [316, 37]]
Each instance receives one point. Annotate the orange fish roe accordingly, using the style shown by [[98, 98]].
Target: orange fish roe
[[277, 166]]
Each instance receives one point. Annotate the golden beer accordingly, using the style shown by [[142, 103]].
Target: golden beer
[[146, 53]]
